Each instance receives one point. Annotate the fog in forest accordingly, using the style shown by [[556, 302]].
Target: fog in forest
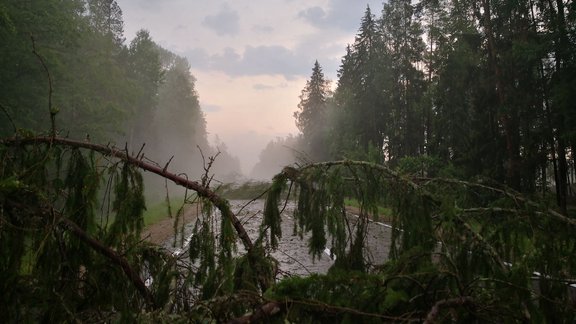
[[480, 96], [344, 161]]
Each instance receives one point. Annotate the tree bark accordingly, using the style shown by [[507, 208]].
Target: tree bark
[[505, 117]]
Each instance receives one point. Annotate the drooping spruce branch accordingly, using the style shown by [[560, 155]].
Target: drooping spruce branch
[[113, 256], [294, 174], [203, 191], [323, 187], [479, 230], [422, 201], [507, 193]]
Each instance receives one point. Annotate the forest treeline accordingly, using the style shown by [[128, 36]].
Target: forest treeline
[[452, 116], [103, 88], [476, 89]]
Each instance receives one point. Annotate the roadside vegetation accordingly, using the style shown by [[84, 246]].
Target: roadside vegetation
[[162, 210]]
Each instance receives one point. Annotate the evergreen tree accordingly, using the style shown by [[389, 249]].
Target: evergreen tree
[[402, 36], [311, 117], [145, 71], [99, 93], [359, 92], [90, 89], [558, 79], [178, 123], [433, 15], [460, 135], [485, 86], [341, 130], [47, 29], [106, 17]]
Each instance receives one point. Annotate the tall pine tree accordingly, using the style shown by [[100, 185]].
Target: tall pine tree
[[402, 36], [359, 93], [311, 116]]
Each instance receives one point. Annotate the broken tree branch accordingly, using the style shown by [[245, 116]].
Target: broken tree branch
[[96, 245], [113, 256], [203, 191]]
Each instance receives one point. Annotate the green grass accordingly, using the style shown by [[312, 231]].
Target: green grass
[[159, 211], [385, 213], [247, 190]]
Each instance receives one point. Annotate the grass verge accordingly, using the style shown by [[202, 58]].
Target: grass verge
[[384, 213], [159, 211]]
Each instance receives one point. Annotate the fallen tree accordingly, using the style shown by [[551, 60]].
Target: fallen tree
[[32, 176], [461, 251]]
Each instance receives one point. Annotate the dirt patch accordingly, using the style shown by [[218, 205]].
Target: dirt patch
[[163, 230]]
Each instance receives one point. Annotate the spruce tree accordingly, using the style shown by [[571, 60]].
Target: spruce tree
[[311, 116], [145, 72], [359, 93], [402, 36]]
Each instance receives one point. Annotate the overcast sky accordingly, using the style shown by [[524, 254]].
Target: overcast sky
[[251, 58]]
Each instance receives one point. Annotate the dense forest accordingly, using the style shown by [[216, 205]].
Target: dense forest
[[72, 56], [455, 118], [483, 88]]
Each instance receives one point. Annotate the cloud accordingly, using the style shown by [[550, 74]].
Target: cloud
[[262, 29], [180, 27], [274, 59], [198, 58], [226, 62], [210, 108], [339, 14], [256, 60], [263, 45], [312, 14], [269, 60], [148, 4], [225, 22], [262, 87]]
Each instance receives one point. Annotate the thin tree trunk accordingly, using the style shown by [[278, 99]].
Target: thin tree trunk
[[558, 25], [510, 126]]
